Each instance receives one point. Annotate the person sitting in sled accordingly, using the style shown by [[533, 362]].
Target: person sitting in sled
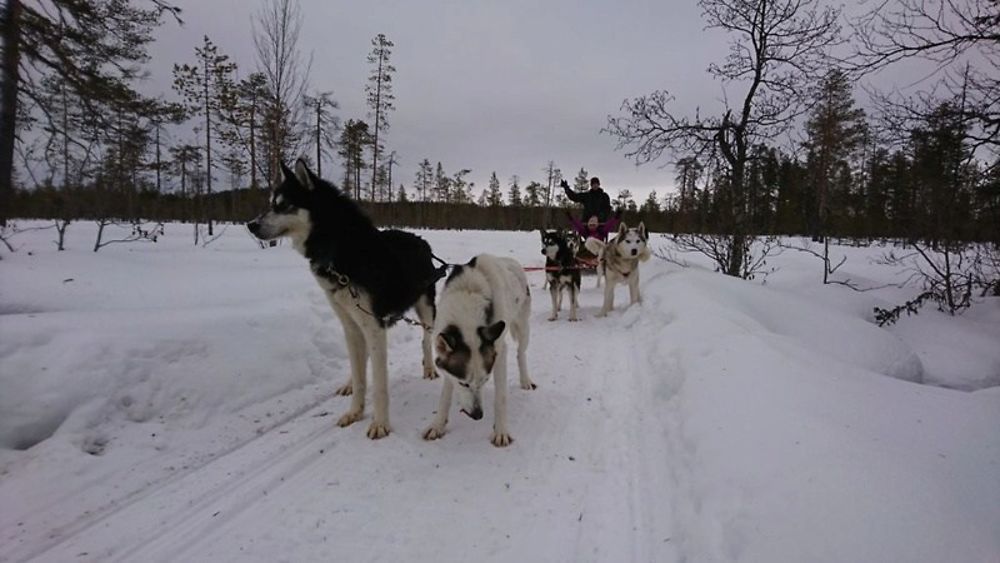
[[596, 209], [594, 228]]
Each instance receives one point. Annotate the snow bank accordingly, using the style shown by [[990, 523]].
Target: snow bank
[[790, 444], [161, 401]]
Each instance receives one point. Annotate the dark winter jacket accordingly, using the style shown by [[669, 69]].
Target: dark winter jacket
[[595, 202]]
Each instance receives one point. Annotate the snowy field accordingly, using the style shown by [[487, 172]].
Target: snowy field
[[169, 402]]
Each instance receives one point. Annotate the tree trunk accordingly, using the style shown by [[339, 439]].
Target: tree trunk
[[319, 160], [253, 144], [159, 162], [208, 150], [11, 33], [378, 115]]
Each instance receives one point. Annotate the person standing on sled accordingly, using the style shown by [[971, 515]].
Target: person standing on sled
[[596, 211]]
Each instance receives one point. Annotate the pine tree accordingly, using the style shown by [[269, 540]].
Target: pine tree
[[553, 176], [95, 47], [581, 182], [652, 203], [424, 182], [514, 194], [460, 189], [243, 118], [442, 185], [942, 181], [835, 131], [688, 171], [353, 140], [208, 88], [494, 196], [533, 196], [379, 93]]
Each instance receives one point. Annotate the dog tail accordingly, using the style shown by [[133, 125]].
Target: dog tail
[[595, 246]]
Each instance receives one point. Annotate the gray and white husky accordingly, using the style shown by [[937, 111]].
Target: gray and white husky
[[480, 304], [619, 263], [369, 276]]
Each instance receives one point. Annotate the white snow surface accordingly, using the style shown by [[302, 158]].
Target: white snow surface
[[166, 402]]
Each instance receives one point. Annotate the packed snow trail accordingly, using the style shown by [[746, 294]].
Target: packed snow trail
[[190, 417], [573, 486]]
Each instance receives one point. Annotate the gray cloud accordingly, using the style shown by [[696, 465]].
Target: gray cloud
[[490, 86]]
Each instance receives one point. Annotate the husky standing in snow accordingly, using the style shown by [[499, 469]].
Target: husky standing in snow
[[620, 262], [561, 270], [369, 276], [481, 302]]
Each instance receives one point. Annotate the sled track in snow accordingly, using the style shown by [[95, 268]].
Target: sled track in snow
[[62, 536]]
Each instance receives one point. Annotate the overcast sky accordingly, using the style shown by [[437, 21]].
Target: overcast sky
[[499, 86]]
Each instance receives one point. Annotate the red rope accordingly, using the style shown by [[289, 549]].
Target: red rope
[[581, 265]]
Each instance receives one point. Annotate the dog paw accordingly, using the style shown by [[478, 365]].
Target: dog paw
[[529, 386], [553, 317], [378, 430], [574, 319], [501, 439], [433, 433], [345, 390], [430, 373], [349, 418], [601, 315]]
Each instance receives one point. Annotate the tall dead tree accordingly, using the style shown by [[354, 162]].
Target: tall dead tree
[[325, 125]]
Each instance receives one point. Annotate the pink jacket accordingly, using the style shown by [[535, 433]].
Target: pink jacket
[[601, 232]]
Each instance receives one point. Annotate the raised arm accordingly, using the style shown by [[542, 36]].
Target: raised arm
[[573, 196]]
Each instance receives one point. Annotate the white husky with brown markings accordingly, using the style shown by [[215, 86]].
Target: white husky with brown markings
[[481, 302]]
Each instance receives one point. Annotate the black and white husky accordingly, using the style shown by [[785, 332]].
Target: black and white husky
[[561, 270], [619, 262], [370, 277], [481, 302]]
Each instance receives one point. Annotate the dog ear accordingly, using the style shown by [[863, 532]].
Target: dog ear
[[443, 344], [642, 231], [287, 172], [491, 333], [303, 174], [622, 228]]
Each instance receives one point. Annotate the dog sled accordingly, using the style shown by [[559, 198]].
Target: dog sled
[[586, 261]]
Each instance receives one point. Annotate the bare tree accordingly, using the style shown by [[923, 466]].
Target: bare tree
[[961, 36], [325, 125], [276, 39], [776, 48]]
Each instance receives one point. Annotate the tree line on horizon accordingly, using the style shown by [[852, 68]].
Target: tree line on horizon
[[787, 152]]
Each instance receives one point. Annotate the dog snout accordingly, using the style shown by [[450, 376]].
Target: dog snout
[[635, 252], [475, 414], [254, 227]]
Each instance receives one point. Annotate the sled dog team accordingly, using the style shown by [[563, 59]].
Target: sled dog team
[[372, 277]]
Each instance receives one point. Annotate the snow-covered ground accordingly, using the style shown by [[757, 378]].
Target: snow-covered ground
[[167, 402]]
